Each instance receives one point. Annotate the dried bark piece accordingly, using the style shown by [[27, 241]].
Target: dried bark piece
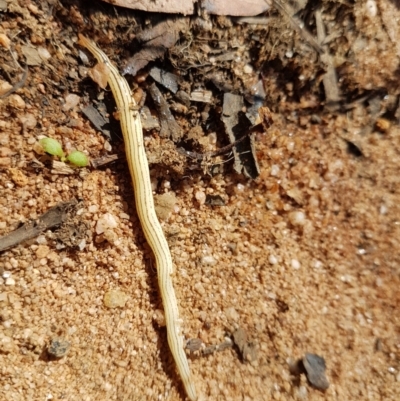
[[203, 96], [238, 8], [52, 218], [99, 74], [97, 119], [165, 78], [169, 127], [157, 40], [58, 167], [101, 161], [330, 81], [236, 125], [163, 6], [186, 7]]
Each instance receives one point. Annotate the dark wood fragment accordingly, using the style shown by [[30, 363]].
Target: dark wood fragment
[[169, 126], [97, 119], [237, 124], [157, 40], [52, 218], [101, 161], [167, 79]]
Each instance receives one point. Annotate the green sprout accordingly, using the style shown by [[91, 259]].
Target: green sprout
[[77, 158], [52, 147]]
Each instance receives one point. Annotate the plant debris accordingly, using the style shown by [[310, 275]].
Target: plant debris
[[167, 79], [97, 119], [196, 345], [156, 40], [169, 128], [236, 125], [54, 217]]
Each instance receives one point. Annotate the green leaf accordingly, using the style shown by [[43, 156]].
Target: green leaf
[[52, 147], [78, 158]]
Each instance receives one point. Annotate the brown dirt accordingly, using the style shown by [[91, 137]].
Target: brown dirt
[[304, 258]]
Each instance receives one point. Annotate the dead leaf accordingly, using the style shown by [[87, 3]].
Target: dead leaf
[[99, 74], [156, 41]]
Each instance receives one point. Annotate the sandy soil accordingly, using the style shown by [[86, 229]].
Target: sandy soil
[[304, 258]]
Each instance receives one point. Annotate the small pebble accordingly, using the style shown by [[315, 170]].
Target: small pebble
[[302, 393], [232, 314], [71, 100], [295, 264], [274, 170], [247, 69], [18, 177], [4, 41], [58, 347], [115, 299], [200, 197], [297, 218], [107, 221], [42, 251], [16, 102], [41, 239], [107, 146], [289, 54], [10, 281], [208, 260], [315, 370], [28, 120], [93, 208], [82, 244], [44, 53], [383, 209], [4, 87], [240, 187], [371, 8], [5, 152], [272, 260]]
